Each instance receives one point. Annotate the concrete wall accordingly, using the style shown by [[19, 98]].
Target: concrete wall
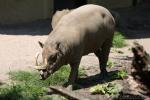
[[22, 11]]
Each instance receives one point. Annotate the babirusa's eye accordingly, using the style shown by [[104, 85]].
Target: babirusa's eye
[[53, 58]]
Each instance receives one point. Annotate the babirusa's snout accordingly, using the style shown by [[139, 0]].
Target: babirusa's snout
[[43, 75]]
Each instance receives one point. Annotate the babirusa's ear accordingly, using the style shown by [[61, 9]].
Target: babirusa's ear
[[41, 44], [58, 45]]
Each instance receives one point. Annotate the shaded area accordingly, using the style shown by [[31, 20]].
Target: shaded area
[[40, 27], [95, 79], [134, 22], [127, 96], [68, 4], [1, 83]]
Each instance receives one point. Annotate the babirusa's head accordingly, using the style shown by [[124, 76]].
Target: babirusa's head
[[51, 59]]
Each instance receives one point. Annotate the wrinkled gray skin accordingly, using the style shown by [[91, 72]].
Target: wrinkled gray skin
[[87, 29]]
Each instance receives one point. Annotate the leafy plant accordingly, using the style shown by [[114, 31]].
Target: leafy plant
[[108, 88], [118, 40], [110, 64], [98, 89], [120, 74], [82, 72]]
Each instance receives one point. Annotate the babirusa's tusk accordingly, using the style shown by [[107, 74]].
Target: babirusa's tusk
[[46, 61], [36, 58], [39, 67]]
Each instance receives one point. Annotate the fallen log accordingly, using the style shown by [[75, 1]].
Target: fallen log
[[66, 93], [141, 65], [141, 59]]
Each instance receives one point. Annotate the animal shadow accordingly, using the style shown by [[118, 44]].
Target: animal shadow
[[1, 83], [94, 80]]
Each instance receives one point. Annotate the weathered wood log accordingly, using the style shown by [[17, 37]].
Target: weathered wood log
[[141, 59], [141, 64], [66, 93]]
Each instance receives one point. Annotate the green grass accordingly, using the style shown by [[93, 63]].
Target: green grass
[[118, 40], [28, 86], [58, 78]]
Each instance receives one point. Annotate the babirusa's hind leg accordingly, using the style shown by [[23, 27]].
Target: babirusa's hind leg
[[103, 55]]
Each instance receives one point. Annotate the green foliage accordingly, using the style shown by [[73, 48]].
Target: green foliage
[[118, 40], [120, 74], [53, 97], [98, 89], [28, 86], [110, 64], [108, 88], [11, 93], [82, 72], [58, 78], [57, 97]]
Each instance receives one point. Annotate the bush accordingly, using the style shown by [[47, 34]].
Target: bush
[[118, 40]]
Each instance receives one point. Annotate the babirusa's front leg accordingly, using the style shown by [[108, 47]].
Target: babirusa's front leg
[[73, 74]]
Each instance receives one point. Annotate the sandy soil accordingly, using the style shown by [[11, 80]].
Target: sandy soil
[[17, 53]]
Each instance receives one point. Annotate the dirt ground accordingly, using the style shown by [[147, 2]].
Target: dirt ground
[[18, 44]]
